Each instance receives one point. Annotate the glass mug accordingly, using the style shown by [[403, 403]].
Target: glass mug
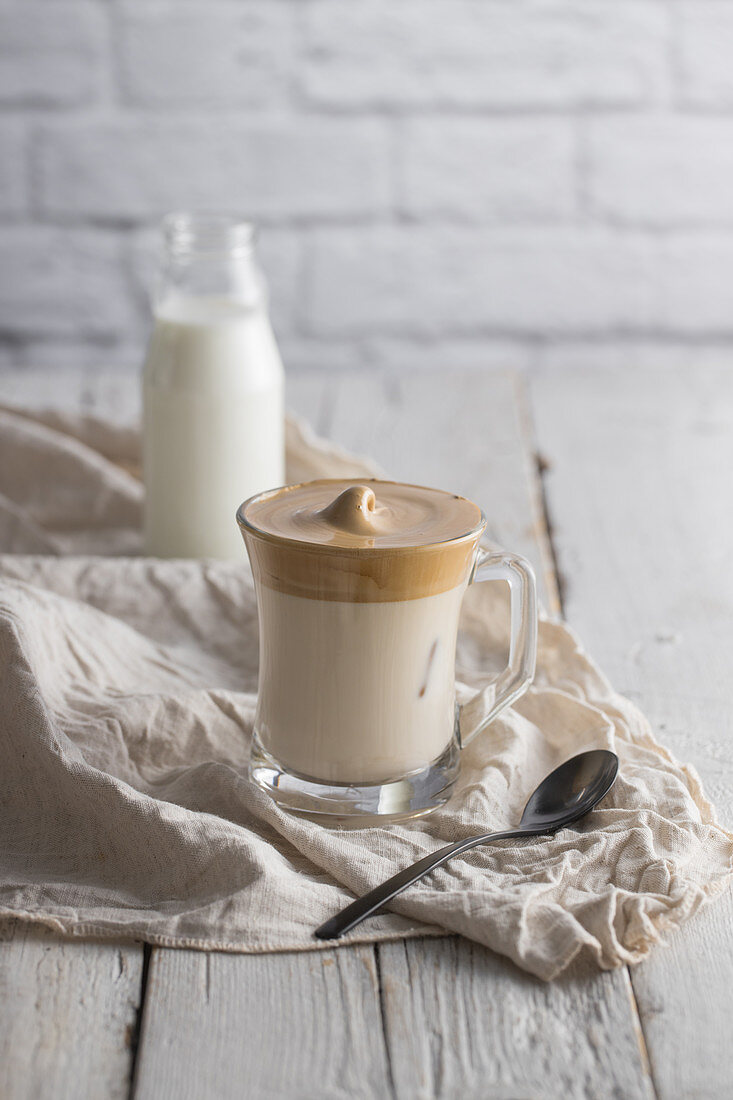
[[359, 588]]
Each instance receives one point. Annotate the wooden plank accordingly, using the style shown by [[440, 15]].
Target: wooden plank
[[286, 1025], [638, 487], [459, 1020], [69, 1012], [43, 388], [462, 1021], [108, 393]]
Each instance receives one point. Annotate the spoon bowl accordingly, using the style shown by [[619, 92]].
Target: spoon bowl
[[566, 794], [570, 791]]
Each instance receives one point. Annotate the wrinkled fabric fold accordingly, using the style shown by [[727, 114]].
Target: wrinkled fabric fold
[[127, 696]]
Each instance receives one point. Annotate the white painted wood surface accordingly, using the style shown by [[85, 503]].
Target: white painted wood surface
[[463, 1022], [112, 394], [293, 1025], [639, 481], [68, 1015], [445, 1017]]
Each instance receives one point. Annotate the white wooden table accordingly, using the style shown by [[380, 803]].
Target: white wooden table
[[617, 486]]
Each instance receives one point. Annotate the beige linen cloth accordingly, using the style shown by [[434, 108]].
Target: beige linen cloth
[[127, 692]]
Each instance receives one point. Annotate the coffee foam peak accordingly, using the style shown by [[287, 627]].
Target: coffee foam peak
[[369, 515]]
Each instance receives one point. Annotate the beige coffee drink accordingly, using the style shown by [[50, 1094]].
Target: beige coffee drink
[[359, 590], [357, 680]]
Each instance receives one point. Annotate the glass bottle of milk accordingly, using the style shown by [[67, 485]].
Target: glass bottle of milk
[[213, 417]]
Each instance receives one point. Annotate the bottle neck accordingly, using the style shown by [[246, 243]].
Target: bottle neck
[[208, 257]]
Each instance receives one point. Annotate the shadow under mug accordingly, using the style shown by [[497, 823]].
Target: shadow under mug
[[356, 714]]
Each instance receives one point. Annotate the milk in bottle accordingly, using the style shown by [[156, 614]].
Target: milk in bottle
[[212, 391]]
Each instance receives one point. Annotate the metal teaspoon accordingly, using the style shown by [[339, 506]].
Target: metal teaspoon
[[563, 796]]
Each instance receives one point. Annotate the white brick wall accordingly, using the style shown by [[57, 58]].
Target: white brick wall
[[457, 281], [506, 54], [59, 283], [14, 174], [704, 34], [52, 55], [438, 182], [663, 170], [515, 170], [276, 169], [206, 55]]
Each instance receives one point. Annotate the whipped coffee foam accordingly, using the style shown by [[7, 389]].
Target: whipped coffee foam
[[370, 514], [361, 541]]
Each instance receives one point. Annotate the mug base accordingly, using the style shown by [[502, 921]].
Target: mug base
[[358, 805]]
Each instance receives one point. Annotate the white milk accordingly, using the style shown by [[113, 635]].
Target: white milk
[[356, 692], [213, 429]]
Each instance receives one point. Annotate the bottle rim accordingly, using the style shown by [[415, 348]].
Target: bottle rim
[[185, 232]]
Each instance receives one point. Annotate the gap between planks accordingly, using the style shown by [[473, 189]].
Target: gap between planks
[[136, 1037], [383, 1022]]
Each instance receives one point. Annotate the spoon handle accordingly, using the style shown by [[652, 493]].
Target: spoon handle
[[364, 907]]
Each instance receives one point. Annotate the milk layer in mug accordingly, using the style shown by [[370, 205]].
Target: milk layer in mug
[[357, 692]]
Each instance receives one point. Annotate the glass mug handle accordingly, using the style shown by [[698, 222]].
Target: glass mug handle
[[481, 709]]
